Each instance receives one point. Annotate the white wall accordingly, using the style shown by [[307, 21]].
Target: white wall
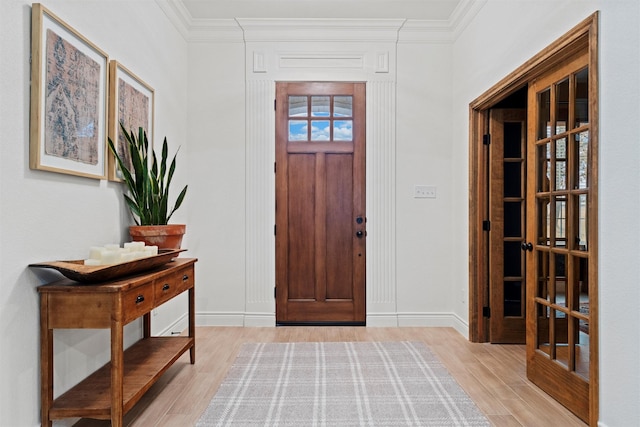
[[217, 159], [47, 216], [425, 290], [502, 36]]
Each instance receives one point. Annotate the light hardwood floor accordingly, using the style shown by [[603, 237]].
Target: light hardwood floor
[[493, 375]]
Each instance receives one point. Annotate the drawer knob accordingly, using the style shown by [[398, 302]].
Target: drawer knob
[[166, 287], [139, 299], [185, 277]]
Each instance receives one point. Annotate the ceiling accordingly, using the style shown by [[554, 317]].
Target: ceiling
[[339, 9]]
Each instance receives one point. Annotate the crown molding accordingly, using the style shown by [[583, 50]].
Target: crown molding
[[178, 14], [200, 30], [321, 30], [463, 14]]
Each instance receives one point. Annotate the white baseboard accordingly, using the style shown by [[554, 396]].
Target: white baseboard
[[181, 324], [434, 320], [450, 320], [260, 319], [220, 319]]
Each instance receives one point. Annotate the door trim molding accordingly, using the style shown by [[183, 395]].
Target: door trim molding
[[260, 78], [583, 36]]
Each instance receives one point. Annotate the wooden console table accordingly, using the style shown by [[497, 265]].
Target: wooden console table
[[114, 389]]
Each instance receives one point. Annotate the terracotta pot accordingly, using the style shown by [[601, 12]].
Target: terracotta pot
[[163, 236]]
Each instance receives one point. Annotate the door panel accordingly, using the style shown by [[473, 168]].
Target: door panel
[[301, 224], [507, 268], [558, 299], [320, 203]]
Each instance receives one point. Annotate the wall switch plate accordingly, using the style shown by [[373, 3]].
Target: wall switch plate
[[424, 191]]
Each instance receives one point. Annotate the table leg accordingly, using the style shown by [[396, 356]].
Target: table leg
[[117, 369], [46, 362], [192, 323]]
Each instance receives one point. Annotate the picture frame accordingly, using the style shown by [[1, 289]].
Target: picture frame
[[131, 101], [69, 87]]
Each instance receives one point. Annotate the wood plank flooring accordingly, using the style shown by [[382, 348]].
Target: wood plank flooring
[[493, 375]]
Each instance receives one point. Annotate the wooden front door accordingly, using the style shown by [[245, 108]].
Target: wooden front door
[[561, 234], [507, 205], [320, 203]]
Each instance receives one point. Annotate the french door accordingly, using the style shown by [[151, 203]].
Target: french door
[[559, 245], [507, 206], [320, 203]]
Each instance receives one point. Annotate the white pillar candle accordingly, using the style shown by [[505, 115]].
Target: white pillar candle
[[134, 246], [92, 262], [151, 250], [95, 252], [127, 256], [110, 257]]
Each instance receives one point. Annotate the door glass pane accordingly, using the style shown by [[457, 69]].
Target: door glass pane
[[582, 348], [582, 345], [561, 221], [543, 313], [320, 106], [343, 130], [560, 283], [580, 287], [581, 177], [512, 259], [513, 298], [581, 102], [512, 179], [582, 221], [513, 219], [562, 106], [543, 153], [544, 114], [543, 275], [544, 220], [342, 106], [297, 106], [297, 130], [513, 140], [561, 335], [561, 164], [320, 130]]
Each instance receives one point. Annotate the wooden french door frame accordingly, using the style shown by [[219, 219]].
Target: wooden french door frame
[[583, 37], [507, 209]]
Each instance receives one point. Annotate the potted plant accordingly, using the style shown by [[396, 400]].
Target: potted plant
[[147, 195]]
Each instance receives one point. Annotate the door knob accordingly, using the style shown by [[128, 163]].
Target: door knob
[[526, 246], [359, 234]]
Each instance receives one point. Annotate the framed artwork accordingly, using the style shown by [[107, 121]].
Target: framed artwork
[[130, 103], [68, 125]]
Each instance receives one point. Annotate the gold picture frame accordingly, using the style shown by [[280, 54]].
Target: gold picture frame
[[69, 86], [131, 101]]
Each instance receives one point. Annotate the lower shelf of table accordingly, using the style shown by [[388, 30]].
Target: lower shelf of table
[[144, 362]]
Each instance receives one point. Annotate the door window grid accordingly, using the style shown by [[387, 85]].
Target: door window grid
[[562, 194], [320, 118]]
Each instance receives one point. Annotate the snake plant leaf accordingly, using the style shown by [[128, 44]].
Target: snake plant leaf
[[147, 180]]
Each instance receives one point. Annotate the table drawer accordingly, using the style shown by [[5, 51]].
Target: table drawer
[[137, 302], [168, 287]]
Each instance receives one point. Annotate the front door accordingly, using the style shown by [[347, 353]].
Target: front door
[[560, 242], [507, 204], [320, 203]]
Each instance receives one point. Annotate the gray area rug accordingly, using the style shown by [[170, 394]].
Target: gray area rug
[[340, 384]]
